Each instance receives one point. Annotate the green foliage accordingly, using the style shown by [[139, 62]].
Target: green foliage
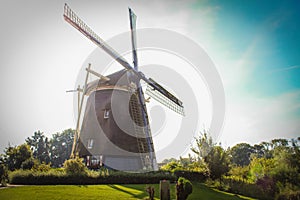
[[55, 150], [165, 161], [187, 168], [220, 185], [274, 169], [3, 175], [59, 176], [212, 157], [239, 173], [43, 167], [241, 187], [15, 156], [204, 145], [267, 184], [260, 167], [30, 163], [241, 154], [200, 167], [172, 166], [286, 169], [218, 162], [75, 166], [287, 192], [183, 188], [40, 146], [61, 147], [191, 175]]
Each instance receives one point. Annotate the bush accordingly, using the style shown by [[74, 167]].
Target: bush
[[290, 195], [267, 184], [43, 167], [3, 175], [30, 163], [183, 188], [288, 192], [75, 166], [247, 189], [220, 185]]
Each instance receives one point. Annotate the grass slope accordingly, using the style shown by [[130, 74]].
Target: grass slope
[[111, 192]]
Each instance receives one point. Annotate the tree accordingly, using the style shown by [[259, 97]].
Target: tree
[[15, 156], [286, 159], [259, 151], [61, 147], [267, 147], [40, 146], [218, 162], [260, 167], [165, 161], [241, 154], [185, 162], [30, 163], [204, 145], [240, 173], [279, 143]]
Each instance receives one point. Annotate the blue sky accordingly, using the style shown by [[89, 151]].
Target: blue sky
[[274, 26], [254, 44]]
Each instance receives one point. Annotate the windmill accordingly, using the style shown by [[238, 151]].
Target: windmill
[[115, 129]]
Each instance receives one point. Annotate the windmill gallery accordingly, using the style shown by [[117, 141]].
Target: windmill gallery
[[114, 131]]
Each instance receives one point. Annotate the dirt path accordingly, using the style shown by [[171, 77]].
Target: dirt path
[[10, 186]]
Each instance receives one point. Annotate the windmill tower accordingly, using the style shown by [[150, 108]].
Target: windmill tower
[[115, 129]]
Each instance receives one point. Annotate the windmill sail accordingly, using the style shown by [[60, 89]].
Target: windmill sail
[[132, 18], [76, 22], [170, 102], [144, 115]]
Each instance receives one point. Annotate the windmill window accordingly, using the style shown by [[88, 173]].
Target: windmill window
[[106, 114], [90, 143]]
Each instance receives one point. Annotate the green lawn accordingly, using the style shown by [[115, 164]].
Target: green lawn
[[110, 192]]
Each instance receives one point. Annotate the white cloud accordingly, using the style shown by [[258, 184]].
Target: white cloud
[[286, 68], [253, 119]]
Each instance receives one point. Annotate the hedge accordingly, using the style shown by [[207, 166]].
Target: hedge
[[247, 189], [190, 175], [52, 177]]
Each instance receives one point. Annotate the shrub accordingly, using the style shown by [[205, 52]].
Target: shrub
[[247, 189], [267, 184], [30, 163], [220, 185], [3, 175], [289, 195], [183, 188], [43, 167], [288, 192], [75, 166], [172, 166]]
